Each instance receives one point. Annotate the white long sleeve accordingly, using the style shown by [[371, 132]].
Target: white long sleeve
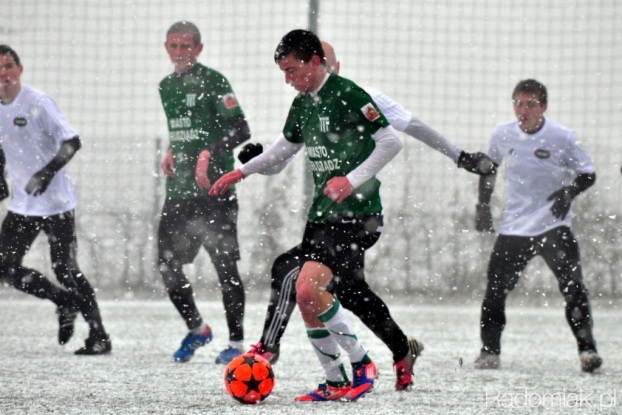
[[402, 120], [388, 145], [280, 152], [429, 136]]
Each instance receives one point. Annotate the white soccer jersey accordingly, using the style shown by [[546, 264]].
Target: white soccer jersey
[[536, 165], [32, 129]]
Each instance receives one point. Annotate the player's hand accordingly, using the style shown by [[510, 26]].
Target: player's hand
[[478, 163], [39, 182], [249, 152], [338, 188], [200, 173], [562, 199], [227, 180], [483, 218], [168, 164], [4, 188]]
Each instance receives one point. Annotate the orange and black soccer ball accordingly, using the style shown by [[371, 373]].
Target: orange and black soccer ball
[[249, 378]]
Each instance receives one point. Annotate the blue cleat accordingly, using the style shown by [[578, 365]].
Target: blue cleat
[[228, 355], [363, 379], [190, 343]]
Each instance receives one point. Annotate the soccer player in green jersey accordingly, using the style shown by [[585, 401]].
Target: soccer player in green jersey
[[205, 124], [348, 141]]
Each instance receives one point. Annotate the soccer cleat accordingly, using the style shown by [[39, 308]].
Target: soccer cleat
[[66, 318], [325, 393], [228, 355], [190, 343], [95, 345], [487, 360], [362, 379], [404, 369], [590, 361], [260, 350]]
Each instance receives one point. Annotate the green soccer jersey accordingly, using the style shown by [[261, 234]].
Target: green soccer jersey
[[337, 127], [197, 105]]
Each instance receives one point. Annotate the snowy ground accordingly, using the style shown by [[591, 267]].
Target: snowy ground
[[39, 377]]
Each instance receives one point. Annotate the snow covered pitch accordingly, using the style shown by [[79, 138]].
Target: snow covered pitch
[[540, 368]]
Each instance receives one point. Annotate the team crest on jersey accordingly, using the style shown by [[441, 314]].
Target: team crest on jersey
[[324, 123], [370, 112], [542, 153], [230, 101], [191, 100], [20, 121]]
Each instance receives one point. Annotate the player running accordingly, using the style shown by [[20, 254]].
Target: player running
[[542, 159], [38, 142], [356, 295], [205, 124]]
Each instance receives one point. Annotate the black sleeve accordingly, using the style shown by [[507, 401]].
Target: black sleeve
[[65, 153], [2, 161], [239, 133], [582, 182], [486, 187]]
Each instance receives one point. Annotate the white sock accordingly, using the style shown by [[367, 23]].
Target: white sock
[[337, 323], [236, 345], [201, 329], [329, 354]]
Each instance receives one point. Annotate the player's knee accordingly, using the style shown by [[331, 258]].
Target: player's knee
[[306, 291]]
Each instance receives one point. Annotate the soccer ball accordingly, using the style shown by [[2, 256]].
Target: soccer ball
[[249, 378]]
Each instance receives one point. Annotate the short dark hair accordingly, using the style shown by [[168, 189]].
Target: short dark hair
[[186, 28], [7, 50], [303, 44], [531, 86]]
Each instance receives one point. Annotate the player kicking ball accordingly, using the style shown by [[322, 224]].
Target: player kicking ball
[[355, 295], [348, 141]]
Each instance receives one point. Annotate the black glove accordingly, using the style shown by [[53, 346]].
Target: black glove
[[562, 199], [4, 188], [483, 218], [478, 163], [249, 152], [39, 182]]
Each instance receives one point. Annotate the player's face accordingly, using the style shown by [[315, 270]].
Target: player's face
[[10, 73], [529, 111], [300, 75], [182, 50]]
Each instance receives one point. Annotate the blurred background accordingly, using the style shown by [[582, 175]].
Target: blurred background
[[452, 63]]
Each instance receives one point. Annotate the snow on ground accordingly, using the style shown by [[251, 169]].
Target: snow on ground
[[539, 361]]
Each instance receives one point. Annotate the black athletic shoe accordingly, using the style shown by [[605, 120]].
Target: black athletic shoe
[[66, 318], [95, 345]]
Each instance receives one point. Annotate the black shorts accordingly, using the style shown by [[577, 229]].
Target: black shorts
[[188, 224], [341, 243]]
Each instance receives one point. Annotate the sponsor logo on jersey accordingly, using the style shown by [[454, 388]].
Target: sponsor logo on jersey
[[230, 101], [322, 165], [191, 100], [20, 121], [542, 153], [184, 135], [181, 122], [325, 165], [324, 123], [370, 112], [317, 151]]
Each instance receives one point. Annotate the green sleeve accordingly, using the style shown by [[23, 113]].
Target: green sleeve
[[361, 110], [292, 130], [227, 104]]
